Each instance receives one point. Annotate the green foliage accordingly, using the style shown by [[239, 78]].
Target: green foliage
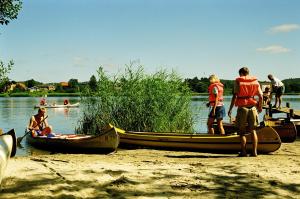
[[139, 102], [93, 83], [31, 83], [9, 10], [4, 71]]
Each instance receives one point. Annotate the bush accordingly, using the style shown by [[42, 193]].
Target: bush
[[137, 102]]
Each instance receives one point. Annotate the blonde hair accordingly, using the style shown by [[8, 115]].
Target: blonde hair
[[42, 110], [213, 79]]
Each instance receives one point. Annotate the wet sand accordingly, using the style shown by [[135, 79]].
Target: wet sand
[[147, 173]]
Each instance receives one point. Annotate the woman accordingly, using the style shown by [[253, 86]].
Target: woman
[[216, 105]]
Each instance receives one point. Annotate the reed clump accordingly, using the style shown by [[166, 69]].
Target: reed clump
[[135, 101]]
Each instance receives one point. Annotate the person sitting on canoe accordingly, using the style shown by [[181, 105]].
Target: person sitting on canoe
[[38, 124], [246, 87], [43, 102], [66, 102], [216, 105]]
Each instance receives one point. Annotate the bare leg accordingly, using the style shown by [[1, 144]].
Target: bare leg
[[243, 145], [210, 127], [279, 101], [254, 143], [220, 125]]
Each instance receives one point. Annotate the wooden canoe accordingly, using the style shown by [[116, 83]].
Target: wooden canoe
[[105, 142], [58, 106], [269, 141], [286, 130], [7, 149]]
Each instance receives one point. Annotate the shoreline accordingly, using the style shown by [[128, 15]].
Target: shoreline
[[148, 173]]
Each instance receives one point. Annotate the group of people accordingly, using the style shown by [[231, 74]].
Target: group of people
[[246, 88]]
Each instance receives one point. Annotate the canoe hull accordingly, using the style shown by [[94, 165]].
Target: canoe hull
[[103, 143], [58, 106], [286, 131], [7, 150], [269, 141]]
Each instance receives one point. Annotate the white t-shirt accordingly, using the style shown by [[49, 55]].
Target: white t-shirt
[[276, 82]]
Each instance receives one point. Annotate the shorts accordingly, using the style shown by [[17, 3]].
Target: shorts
[[219, 114], [279, 91], [246, 117]]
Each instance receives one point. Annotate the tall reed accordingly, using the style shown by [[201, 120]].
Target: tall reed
[[137, 101]]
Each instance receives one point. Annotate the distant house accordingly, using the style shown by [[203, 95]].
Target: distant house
[[64, 84], [33, 89], [17, 85]]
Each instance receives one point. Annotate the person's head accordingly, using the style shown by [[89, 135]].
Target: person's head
[[213, 79], [244, 71], [41, 111], [270, 76], [267, 89]]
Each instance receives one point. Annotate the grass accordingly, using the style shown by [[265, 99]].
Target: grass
[[137, 101]]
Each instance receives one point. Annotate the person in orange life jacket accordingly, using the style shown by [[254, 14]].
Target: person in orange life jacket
[[277, 88], [245, 88], [38, 125], [43, 102], [66, 102], [216, 105]]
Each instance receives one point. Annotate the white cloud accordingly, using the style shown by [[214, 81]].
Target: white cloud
[[273, 49], [284, 28]]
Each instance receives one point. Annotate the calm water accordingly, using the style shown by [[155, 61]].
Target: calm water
[[15, 113]]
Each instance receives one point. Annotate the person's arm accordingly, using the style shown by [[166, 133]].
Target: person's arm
[[31, 126], [215, 91], [260, 99], [233, 99]]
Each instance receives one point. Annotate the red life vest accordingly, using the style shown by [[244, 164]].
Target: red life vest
[[248, 88], [212, 96]]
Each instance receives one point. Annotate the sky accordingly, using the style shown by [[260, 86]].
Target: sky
[[56, 40]]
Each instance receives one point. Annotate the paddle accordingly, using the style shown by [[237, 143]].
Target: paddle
[[19, 139]]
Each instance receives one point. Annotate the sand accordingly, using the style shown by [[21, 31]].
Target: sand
[[147, 173]]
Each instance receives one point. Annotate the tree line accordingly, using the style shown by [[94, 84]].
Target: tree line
[[197, 85]]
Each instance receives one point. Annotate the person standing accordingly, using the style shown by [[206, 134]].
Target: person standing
[[216, 105], [245, 89], [278, 89]]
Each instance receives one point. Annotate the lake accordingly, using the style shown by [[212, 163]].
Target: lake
[[15, 112]]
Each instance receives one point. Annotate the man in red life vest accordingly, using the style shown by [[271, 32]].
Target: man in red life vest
[[216, 105], [245, 89]]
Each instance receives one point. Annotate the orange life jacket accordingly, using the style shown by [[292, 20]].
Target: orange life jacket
[[212, 96], [248, 88]]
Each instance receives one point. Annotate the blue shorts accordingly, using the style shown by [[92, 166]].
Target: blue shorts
[[219, 114]]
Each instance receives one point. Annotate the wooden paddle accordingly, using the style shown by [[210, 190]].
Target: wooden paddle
[[19, 139]]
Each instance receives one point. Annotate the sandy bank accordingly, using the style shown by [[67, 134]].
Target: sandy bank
[[146, 173]]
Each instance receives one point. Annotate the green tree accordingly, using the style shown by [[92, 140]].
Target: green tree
[[4, 71], [74, 85], [31, 83], [9, 10], [93, 83]]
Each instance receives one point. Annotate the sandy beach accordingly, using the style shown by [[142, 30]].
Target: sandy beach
[[147, 173]]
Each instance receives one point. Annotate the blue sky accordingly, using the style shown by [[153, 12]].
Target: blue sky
[[56, 40]]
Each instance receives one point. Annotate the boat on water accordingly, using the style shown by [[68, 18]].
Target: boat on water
[[58, 106], [268, 141], [8, 146], [286, 130], [105, 142]]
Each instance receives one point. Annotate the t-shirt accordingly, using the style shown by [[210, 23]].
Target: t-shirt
[[276, 82]]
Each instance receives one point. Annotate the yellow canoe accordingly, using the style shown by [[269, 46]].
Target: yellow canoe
[[268, 141]]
